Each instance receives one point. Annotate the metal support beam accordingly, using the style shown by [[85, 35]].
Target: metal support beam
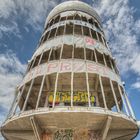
[[125, 106], [129, 105], [36, 129], [102, 91], [138, 124], [105, 128], [28, 94], [114, 95]]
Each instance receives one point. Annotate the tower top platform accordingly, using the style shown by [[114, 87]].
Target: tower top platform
[[71, 6]]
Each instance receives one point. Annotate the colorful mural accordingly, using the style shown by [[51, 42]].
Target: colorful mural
[[66, 134], [72, 134], [78, 98]]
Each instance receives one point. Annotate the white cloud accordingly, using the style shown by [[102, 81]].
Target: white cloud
[[7, 7], [32, 12], [136, 85], [11, 70], [122, 30]]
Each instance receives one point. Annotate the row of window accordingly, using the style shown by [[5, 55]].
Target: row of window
[[72, 29], [80, 94], [57, 19], [69, 52]]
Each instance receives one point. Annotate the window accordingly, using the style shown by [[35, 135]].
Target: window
[[107, 58], [93, 33], [90, 54], [96, 25], [100, 58], [45, 57], [70, 18], [78, 30], [91, 21], [78, 52], [69, 28], [52, 33], [77, 17], [56, 19], [55, 54], [51, 23], [45, 37], [86, 31], [100, 37], [63, 19], [67, 51], [36, 61], [84, 19], [60, 30]]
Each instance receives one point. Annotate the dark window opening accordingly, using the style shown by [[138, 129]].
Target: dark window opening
[[91, 21], [70, 18], [60, 30], [90, 55], [86, 31], [36, 61], [51, 23], [78, 30], [93, 33], [52, 33], [55, 54], [107, 58], [78, 52], [67, 51], [96, 25], [84, 19], [69, 28], [100, 58], [45, 57], [56, 19], [63, 19], [100, 37], [45, 37], [77, 17]]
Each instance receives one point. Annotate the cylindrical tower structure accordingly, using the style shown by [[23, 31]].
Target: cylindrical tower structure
[[72, 89]]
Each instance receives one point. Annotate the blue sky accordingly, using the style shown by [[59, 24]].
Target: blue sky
[[21, 25]]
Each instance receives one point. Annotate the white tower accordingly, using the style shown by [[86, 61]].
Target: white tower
[[72, 89]]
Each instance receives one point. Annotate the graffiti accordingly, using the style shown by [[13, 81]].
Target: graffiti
[[72, 134], [75, 66], [78, 97], [63, 135]]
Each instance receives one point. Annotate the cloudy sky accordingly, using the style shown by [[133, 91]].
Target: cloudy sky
[[21, 25]]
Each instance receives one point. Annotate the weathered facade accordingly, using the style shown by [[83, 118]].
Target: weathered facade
[[72, 89]]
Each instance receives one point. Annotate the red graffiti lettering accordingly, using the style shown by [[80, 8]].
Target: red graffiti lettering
[[65, 66], [90, 41], [52, 67]]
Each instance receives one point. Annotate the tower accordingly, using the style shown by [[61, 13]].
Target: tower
[[72, 89]]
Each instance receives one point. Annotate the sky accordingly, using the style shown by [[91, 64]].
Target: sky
[[21, 25]]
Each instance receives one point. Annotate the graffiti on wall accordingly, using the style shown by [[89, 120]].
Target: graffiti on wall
[[68, 66], [77, 134], [66, 134], [78, 97]]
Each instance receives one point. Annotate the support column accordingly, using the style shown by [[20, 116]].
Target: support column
[[36, 129], [114, 95], [102, 91], [105, 128], [87, 81], [125, 106], [129, 105], [28, 94], [17, 100]]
